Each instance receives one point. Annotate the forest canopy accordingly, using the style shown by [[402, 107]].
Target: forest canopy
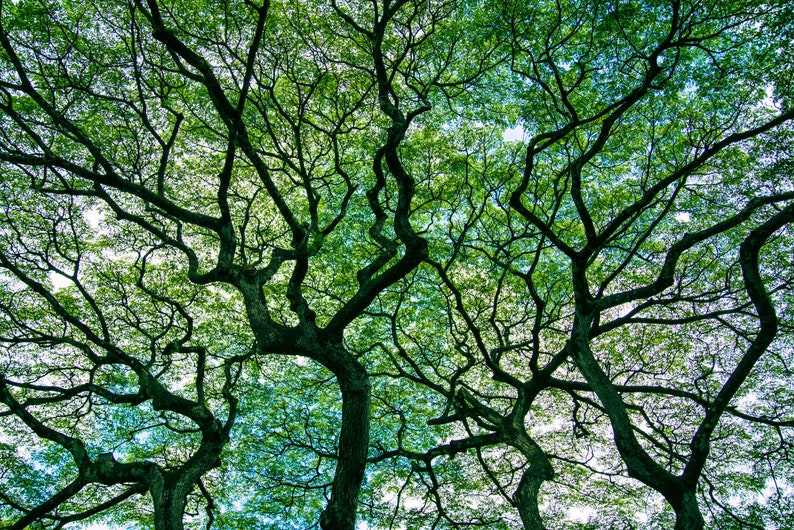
[[396, 264]]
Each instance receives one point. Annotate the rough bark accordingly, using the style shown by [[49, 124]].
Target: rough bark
[[526, 495], [539, 470], [340, 514], [169, 504], [687, 512]]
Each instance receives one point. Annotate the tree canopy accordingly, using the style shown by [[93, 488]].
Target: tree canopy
[[396, 264]]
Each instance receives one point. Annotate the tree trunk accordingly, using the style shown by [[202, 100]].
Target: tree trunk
[[168, 513], [539, 471], [169, 503], [340, 514], [169, 490], [526, 499], [687, 512]]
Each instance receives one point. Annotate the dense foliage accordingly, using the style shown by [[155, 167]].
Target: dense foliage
[[396, 264]]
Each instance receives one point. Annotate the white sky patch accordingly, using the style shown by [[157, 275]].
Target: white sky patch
[[557, 425], [773, 488], [514, 134], [300, 360], [93, 217], [142, 436], [769, 101], [683, 217], [580, 514], [413, 503], [58, 281]]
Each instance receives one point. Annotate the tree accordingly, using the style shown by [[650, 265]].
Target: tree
[[281, 264]]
